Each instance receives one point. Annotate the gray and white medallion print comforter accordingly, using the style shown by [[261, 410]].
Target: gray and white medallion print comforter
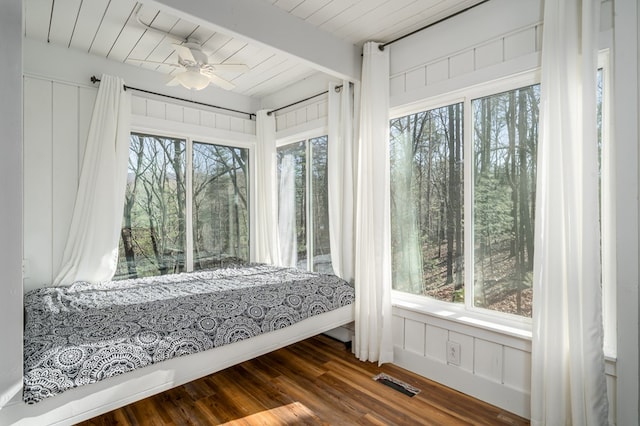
[[84, 333]]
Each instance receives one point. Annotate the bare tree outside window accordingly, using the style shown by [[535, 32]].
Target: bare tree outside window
[[303, 204], [153, 233], [220, 205], [154, 227], [505, 138], [427, 228]]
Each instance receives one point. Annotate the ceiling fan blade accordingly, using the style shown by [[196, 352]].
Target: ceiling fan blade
[[173, 82], [219, 81], [184, 53], [144, 61], [230, 67]]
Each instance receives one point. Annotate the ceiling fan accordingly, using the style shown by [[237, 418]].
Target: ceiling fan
[[196, 72]]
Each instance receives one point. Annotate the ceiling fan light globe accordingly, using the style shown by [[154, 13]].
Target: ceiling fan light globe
[[193, 80]]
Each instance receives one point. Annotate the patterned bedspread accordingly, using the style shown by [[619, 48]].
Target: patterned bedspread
[[84, 333]]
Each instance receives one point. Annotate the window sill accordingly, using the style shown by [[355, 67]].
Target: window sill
[[504, 324]]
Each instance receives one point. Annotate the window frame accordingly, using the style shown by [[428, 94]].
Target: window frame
[[504, 323], [466, 312], [306, 136], [190, 134]]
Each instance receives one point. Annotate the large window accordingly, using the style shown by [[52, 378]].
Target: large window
[[159, 236], [303, 215], [432, 225]]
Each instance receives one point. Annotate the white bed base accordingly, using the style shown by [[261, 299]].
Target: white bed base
[[85, 402]]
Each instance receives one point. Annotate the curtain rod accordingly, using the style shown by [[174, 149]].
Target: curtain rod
[[382, 46], [338, 88], [251, 115]]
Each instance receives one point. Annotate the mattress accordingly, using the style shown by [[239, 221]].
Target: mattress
[[84, 333]]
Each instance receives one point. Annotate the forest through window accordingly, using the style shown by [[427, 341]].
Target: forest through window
[[303, 206], [156, 234], [428, 213]]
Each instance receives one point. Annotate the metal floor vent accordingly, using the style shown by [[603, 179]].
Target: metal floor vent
[[396, 384]]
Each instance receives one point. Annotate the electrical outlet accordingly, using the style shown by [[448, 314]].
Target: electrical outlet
[[453, 352]]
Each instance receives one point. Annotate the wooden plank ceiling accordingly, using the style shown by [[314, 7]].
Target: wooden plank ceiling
[[111, 29]]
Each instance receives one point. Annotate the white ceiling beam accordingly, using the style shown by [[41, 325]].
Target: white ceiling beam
[[257, 21]]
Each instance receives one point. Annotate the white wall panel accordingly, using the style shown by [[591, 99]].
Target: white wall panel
[[65, 141], [436, 343], [487, 361], [290, 118], [174, 113], [301, 116], [191, 116], [484, 361], [223, 122], [397, 323], [11, 216], [138, 105], [466, 349], [520, 43], [312, 112], [414, 336], [37, 182], [236, 125], [517, 369], [86, 101], [207, 119], [462, 63], [415, 79], [397, 83], [156, 109], [491, 53], [438, 71]]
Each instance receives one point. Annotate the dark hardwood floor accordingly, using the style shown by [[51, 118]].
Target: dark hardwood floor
[[314, 382]]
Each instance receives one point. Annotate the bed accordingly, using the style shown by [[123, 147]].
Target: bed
[[164, 331]]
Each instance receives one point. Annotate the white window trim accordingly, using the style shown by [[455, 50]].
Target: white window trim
[[297, 138], [508, 324], [192, 133], [608, 224]]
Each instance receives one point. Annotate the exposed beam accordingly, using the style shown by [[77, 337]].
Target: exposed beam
[[259, 22]]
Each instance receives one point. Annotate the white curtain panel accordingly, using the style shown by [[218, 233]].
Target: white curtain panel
[[266, 246], [91, 250], [372, 273], [341, 170], [287, 212], [568, 380]]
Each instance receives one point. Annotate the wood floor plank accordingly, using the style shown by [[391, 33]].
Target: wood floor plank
[[314, 382]]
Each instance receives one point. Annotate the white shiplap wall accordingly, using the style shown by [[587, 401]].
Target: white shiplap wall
[[56, 123], [301, 118], [494, 366]]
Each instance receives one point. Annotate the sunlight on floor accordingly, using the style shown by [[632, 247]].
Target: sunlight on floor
[[290, 414]]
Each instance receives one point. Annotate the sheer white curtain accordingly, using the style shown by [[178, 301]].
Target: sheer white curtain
[[91, 251], [407, 254], [266, 246], [287, 212], [373, 235], [341, 171], [568, 381]]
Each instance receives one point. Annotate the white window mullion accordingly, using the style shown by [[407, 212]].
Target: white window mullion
[[309, 215], [189, 207], [468, 162]]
